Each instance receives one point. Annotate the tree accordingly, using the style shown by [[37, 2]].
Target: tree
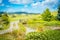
[[5, 18], [5, 21], [58, 15], [46, 16], [0, 15]]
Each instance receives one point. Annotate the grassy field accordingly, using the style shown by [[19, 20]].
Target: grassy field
[[33, 21]]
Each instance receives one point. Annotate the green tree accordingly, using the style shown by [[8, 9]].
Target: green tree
[[5, 21], [5, 18], [0, 15], [46, 16], [58, 15], [53, 18]]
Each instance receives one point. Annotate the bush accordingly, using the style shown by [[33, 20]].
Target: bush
[[47, 35], [4, 21], [46, 16]]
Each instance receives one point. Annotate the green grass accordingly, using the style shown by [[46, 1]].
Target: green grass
[[33, 21], [47, 35], [45, 23], [6, 37]]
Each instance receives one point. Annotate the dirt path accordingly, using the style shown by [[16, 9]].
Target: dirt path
[[10, 29], [55, 28], [28, 29]]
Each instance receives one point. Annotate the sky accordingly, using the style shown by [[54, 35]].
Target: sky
[[30, 6]]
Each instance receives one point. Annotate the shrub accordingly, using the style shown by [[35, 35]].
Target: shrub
[[46, 16], [47, 35]]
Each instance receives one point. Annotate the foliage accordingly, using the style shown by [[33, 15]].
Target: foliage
[[47, 35], [46, 16], [0, 15], [58, 15], [5, 18], [4, 21]]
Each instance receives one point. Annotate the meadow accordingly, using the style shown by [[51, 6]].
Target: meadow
[[29, 27]]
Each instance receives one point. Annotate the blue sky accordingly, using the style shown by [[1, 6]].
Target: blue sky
[[31, 6]]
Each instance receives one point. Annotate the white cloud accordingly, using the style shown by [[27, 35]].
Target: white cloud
[[49, 2], [20, 1], [23, 10], [36, 4], [10, 9], [0, 1], [46, 3]]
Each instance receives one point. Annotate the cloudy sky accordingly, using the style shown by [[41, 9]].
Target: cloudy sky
[[31, 6]]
